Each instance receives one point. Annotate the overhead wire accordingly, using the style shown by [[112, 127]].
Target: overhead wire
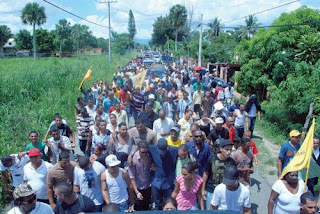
[[261, 11], [282, 25]]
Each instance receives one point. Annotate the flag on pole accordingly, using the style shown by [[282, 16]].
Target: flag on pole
[[86, 78], [138, 79], [301, 160]]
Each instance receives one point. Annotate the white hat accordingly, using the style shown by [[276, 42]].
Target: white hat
[[151, 96], [218, 106], [112, 160], [219, 120]]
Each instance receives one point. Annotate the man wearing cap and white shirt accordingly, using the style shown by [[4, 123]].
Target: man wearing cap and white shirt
[[35, 174], [156, 104], [87, 180], [13, 163], [25, 200], [162, 125], [288, 150], [231, 194], [218, 131], [115, 184]]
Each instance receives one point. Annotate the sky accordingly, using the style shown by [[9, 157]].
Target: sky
[[145, 12]]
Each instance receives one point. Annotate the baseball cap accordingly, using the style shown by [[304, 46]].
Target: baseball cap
[[151, 96], [230, 175], [294, 133], [162, 146], [33, 152], [175, 128], [219, 120], [83, 162], [112, 160], [224, 142], [22, 190], [149, 104]]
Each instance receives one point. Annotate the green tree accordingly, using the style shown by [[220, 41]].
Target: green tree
[[132, 25], [63, 31], [121, 42], [250, 29], [178, 19], [5, 34], [23, 40], [162, 31], [33, 14], [215, 27], [45, 41], [82, 36], [103, 43], [308, 48]]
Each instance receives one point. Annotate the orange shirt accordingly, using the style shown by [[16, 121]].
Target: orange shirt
[[232, 132]]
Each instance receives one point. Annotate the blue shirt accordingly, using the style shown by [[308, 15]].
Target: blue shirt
[[202, 156], [107, 103], [165, 167], [287, 152]]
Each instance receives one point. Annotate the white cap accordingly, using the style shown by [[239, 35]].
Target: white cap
[[112, 160], [219, 120], [151, 96]]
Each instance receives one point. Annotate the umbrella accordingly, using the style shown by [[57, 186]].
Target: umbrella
[[197, 68]]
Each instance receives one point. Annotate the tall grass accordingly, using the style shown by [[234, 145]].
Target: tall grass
[[32, 91]]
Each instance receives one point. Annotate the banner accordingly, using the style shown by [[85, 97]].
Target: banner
[[86, 78], [138, 79]]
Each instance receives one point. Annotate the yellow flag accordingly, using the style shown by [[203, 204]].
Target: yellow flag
[[138, 79], [301, 159], [86, 78]]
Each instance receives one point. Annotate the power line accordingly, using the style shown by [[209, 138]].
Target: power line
[[75, 15], [283, 25], [261, 11]]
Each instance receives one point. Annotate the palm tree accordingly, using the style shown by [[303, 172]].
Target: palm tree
[[63, 30], [5, 34], [215, 27], [250, 29], [33, 14], [178, 19]]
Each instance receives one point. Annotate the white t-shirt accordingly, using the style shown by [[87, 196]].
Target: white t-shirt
[[41, 208], [65, 142], [104, 117], [37, 178], [253, 111], [91, 111], [95, 92], [161, 126], [231, 200], [287, 203], [16, 169], [89, 181]]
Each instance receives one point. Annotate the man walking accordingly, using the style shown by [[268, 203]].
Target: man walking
[[162, 125]]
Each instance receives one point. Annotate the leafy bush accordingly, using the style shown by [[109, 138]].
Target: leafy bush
[[32, 91]]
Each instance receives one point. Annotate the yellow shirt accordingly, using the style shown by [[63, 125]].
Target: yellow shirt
[[116, 94], [176, 143]]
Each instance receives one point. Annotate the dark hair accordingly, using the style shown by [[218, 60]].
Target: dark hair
[[236, 139], [57, 116], [183, 147], [143, 144], [64, 188], [194, 124], [140, 120], [111, 207], [33, 132], [122, 124], [190, 166], [63, 155], [245, 140], [197, 130], [306, 196], [79, 98], [54, 128], [169, 200], [100, 147]]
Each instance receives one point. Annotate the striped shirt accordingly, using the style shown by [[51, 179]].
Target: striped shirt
[[187, 198], [83, 126], [137, 102]]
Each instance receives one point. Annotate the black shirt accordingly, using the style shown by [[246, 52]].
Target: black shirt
[[215, 169], [216, 134], [77, 207], [149, 119]]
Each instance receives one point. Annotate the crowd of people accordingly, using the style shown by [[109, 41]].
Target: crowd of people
[[180, 142]]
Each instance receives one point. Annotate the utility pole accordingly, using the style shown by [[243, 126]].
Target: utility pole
[[200, 42], [109, 2]]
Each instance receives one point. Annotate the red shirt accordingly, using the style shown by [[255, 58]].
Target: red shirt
[[122, 96], [111, 109], [232, 132], [254, 147], [216, 92]]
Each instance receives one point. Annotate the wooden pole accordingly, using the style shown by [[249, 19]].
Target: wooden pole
[[306, 124]]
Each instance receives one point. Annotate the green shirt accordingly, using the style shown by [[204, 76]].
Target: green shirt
[[40, 145], [156, 106], [180, 163]]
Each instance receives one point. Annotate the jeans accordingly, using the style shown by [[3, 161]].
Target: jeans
[[208, 200], [159, 195], [83, 145], [144, 204], [123, 206], [239, 131], [252, 121], [127, 109], [311, 183], [135, 115]]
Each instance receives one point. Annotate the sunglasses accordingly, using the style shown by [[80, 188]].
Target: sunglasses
[[30, 200], [143, 152], [198, 136]]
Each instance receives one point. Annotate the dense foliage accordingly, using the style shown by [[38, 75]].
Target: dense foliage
[[281, 66]]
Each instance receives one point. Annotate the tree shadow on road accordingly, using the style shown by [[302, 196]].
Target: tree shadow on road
[[256, 182]]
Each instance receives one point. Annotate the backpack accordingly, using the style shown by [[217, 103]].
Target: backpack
[[60, 210], [220, 94]]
